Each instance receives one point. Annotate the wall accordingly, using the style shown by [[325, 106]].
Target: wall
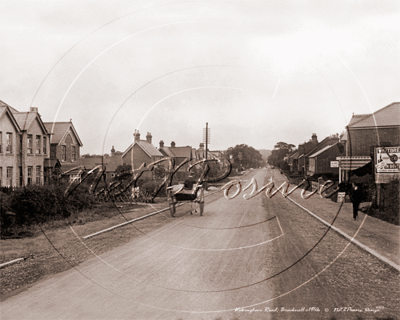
[[35, 159], [361, 140], [323, 161], [139, 157], [8, 159], [68, 141]]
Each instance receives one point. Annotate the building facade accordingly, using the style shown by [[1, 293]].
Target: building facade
[[24, 147], [141, 152]]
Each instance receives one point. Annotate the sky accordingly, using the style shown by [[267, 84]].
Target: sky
[[257, 71]]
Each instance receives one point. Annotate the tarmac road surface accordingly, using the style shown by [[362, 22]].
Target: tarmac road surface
[[256, 259]]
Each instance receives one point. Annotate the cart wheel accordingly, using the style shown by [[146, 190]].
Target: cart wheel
[[201, 205], [201, 201], [172, 208]]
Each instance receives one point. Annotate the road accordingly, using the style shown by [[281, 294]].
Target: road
[[243, 259]]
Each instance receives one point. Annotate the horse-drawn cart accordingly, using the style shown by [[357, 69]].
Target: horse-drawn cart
[[178, 193]]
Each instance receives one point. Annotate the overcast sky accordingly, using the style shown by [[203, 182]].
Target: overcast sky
[[258, 72]]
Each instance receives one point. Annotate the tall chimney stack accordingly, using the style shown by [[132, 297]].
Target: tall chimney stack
[[148, 137], [136, 135]]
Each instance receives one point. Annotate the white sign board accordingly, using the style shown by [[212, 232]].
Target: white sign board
[[341, 196], [387, 160], [334, 164]]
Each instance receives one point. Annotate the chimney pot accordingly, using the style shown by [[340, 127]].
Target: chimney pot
[[136, 135], [173, 144], [161, 144], [149, 137]]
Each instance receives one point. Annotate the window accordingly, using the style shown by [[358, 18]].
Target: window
[[63, 153], [1, 142], [73, 153], [38, 172], [9, 142], [30, 142], [44, 145], [38, 147], [9, 176], [30, 169]]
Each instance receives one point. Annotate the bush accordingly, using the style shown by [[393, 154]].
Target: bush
[[38, 204]]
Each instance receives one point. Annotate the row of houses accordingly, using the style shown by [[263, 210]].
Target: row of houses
[[359, 145], [30, 149]]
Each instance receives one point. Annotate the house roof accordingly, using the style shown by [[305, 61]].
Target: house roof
[[146, 147], [58, 131], [387, 116], [3, 104], [5, 109], [177, 152], [295, 155], [111, 163], [25, 119], [322, 150]]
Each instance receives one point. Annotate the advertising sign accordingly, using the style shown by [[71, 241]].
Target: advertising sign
[[334, 164], [387, 160], [341, 197]]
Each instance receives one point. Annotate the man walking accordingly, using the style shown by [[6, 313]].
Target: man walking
[[356, 199]]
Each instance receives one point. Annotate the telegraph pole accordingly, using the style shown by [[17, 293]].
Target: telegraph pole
[[206, 139]]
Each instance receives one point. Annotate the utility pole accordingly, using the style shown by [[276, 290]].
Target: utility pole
[[206, 139]]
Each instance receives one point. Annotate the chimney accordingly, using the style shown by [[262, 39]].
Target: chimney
[[314, 138], [112, 152], [148, 137], [136, 135], [173, 144], [34, 109], [161, 144], [201, 145]]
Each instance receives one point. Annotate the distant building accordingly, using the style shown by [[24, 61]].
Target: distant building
[[141, 151], [179, 154], [110, 163], [304, 149], [324, 160]]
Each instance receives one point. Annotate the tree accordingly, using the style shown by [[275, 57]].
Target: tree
[[123, 171], [283, 145], [281, 149], [244, 156]]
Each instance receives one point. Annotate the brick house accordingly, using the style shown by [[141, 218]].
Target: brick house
[[304, 149], [328, 141], [365, 132], [293, 160], [141, 151], [9, 140], [179, 154], [320, 161], [24, 146], [65, 144]]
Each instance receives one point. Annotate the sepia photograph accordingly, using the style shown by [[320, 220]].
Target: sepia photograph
[[190, 159]]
